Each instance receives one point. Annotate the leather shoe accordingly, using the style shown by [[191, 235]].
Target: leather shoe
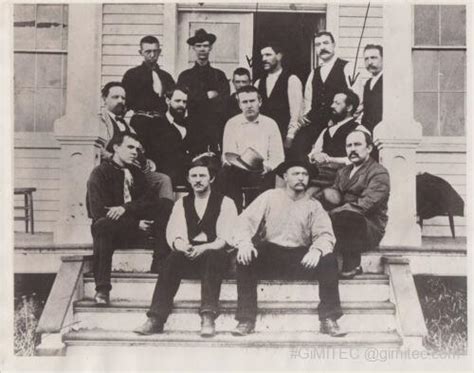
[[331, 327], [243, 328], [101, 298], [151, 326], [208, 328], [352, 273]]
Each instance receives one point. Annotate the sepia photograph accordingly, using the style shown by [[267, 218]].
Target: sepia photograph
[[237, 185]]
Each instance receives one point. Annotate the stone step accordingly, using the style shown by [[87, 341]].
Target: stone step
[[274, 316], [140, 286]]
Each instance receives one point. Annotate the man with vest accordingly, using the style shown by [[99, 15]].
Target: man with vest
[[333, 75], [146, 85], [281, 92], [198, 232], [329, 151]]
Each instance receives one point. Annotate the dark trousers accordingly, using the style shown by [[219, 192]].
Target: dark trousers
[[350, 229], [231, 180], [286, 263], [108, 235], [209, 266]]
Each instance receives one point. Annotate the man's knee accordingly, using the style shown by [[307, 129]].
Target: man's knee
[[161, 184]]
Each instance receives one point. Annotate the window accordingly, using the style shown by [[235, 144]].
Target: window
[[40, 47], [439, 60]]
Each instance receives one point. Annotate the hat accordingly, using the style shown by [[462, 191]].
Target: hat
[[200, 36], [284, 166], [250, 160]]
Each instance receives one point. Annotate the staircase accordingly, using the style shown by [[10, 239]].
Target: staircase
[[372, 306]]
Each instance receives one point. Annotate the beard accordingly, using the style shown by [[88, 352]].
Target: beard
[[337, 117], [178, 115]]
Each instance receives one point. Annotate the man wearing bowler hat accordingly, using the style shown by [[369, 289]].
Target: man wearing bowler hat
[[252, 148], [208, 87], [286, 233]]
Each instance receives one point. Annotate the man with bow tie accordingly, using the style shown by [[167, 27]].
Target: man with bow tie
[[146, 85], [122, 207]]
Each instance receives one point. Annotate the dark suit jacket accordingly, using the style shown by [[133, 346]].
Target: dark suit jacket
[[366, 193]]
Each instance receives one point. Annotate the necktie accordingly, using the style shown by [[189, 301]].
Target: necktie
[[157, 87], [121, 123], [127, 185]]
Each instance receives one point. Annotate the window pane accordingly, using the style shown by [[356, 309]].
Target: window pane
[[452, 114], [49, 26], [48, 108], [24, 109], [425, 71], [426, 25], [452, 70], [49, 70], [453, 25], [24, 67], [24, 26], [426, 112]]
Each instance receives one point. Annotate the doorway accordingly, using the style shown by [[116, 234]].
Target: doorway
[[295, 32]]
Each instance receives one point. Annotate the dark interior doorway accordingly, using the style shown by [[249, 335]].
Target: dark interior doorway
[[295, 32]]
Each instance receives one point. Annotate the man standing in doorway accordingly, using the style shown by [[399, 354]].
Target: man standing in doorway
[[281, 92], [208, 88]]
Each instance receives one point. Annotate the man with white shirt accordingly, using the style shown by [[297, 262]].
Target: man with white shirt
[[198, 231], [254, 137], [333, 75], [281, 92], [329, 151], [364, 188]]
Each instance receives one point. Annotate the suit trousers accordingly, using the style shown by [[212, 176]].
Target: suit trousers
[[274, 260]]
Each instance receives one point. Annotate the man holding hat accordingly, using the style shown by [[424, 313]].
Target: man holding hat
[[252, 148], [198, 232], [208, 87], [286, 233]]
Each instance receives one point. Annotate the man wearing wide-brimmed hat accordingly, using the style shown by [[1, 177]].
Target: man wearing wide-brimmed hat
[[208, 87], [285, 233], [252, 148]]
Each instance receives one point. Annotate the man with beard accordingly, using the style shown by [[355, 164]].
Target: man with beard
[[198, 232], [208, 89], [333, 75], [175, 140], [282, 92], [146, 86], [364, 188], [329, 152], [287, 234]]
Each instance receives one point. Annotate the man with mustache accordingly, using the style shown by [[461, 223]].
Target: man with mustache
[[333, 75], [329, 151], [284, 233], [281, 92], [198, 232], [363, 188]]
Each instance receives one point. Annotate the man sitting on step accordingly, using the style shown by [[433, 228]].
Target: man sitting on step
[[123, 208], [198, 232], [286, 233]]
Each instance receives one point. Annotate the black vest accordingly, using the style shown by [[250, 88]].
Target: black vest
[[323, 92], [277, 106], [336, 146], [373, 104], [209, 220]]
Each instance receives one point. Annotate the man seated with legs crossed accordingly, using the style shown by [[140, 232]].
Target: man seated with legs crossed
[[285, 232], [123, 208], [198, 232]]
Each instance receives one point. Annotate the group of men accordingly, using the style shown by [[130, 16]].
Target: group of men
[[230, 150]]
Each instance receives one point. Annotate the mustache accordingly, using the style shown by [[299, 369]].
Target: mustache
[[353, 153]]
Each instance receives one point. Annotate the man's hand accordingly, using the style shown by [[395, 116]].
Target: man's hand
[[212, 94], [196, 251], [145, 225], [244, 255], [311, 259], [115, 212], [319, 158], [304, 121], [181, 245]]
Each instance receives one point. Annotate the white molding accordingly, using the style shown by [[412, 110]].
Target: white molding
[[313, 7], [170, 37], [35, 140]]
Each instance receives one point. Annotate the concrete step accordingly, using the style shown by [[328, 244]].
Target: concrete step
[[140, 286], [273, 316]]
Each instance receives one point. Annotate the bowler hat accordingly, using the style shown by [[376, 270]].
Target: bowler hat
[[250, 160], [284, 166], [201, 36]]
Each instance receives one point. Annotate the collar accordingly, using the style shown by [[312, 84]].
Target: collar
[[365, 164], [155, 67], [112, 115], [169, 117], [330, 62], [206, 66], [338, 124], [375, 78], [275, 74], [256, 121]]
